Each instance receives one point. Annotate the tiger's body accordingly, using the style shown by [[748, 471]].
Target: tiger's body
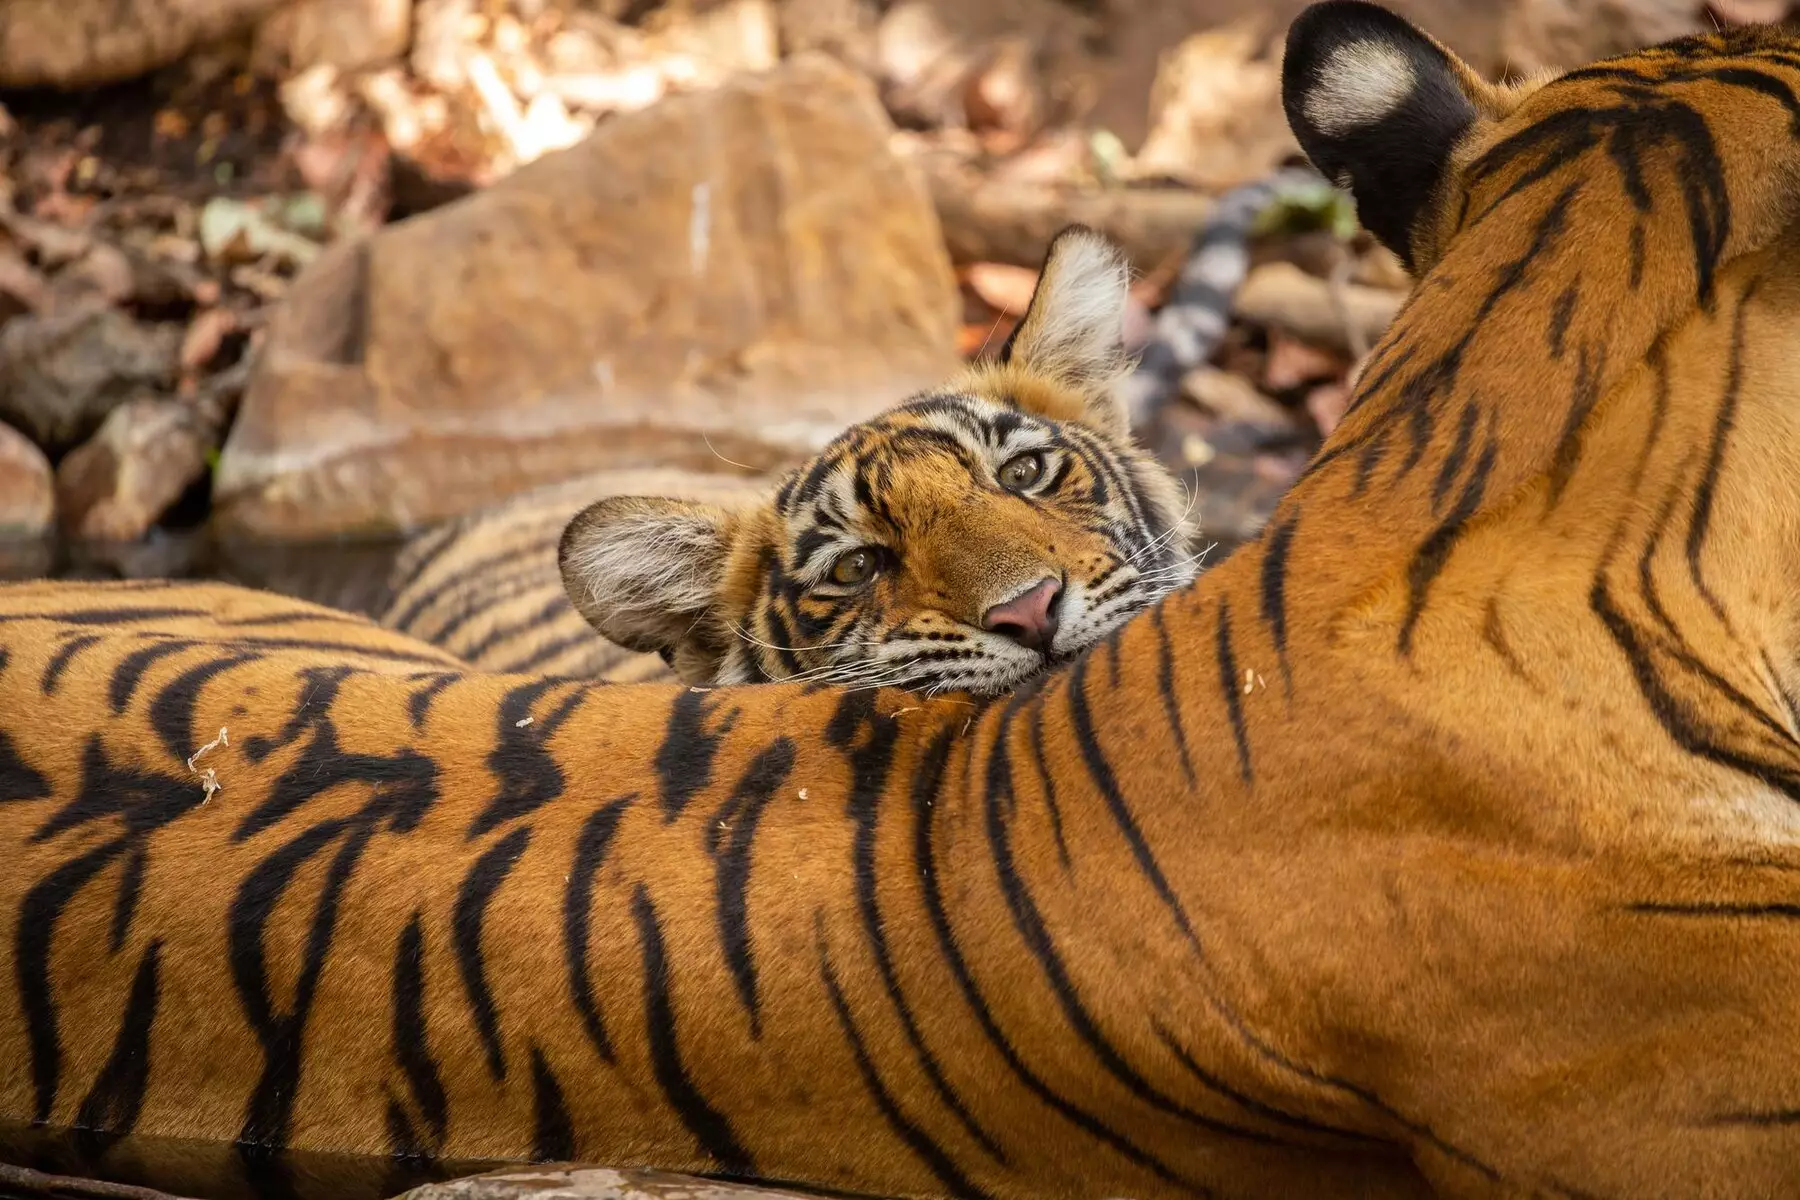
[[486, 587], [1443, 839]]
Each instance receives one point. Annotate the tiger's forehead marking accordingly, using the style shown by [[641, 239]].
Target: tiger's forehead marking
[[857, 471]]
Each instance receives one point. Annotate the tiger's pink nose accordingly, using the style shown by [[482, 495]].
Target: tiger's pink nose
[[1028, 618]]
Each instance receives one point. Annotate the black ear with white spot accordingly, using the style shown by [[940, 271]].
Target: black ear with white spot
[[1378, 107], [647, 573]]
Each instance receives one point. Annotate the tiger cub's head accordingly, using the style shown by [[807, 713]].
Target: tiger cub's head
[[966, 539]]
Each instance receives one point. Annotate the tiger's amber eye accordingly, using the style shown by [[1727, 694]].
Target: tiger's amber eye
[[1021, 471], [852, 568]]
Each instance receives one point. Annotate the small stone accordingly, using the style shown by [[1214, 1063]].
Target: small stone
[[62, 372], [27, 497], [147, 453]]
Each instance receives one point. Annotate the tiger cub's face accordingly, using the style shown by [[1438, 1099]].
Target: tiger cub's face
[[965, 540]]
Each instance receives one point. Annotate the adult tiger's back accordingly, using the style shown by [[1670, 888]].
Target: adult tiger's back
[[1445, 834]]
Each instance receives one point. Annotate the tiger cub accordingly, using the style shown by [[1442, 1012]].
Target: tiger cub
[[966, 539]]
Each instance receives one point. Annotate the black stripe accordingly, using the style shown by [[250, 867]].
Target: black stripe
[[544, 653], [1584, 394], [130, 669], [527, 773], [927, 783], [427, 548], [1047, 781], [1213, 1083], [1231, 686], [131, 886], [1782, 910], [1724, 424], [729, 837], [557, 605], [478, 888], [1276, 548], [38, 914], [590, 852], [18, 781], [1434, 553], [552, 1135], [1028, 922], [1101, 773], [60, 660], [425, 656], [412, 1043], [871, 758], [172, 712], [1562, 312], [101, 616], [709, 1127], [1165, 688], [1452, 465], [684, 760], [485, 566], [110, 1109], [936, 1160], [419, 703]]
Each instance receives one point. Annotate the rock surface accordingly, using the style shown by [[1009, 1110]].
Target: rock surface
[[735, 274], [594, 1183], [148, 452], [345, 34], [80, 43], [27, 501], [62, 372]]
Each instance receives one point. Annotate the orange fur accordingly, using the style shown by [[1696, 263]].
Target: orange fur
[[1486, 888]]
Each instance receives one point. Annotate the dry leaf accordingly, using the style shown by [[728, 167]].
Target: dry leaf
[[1003, 286], [205, 334], [1292, 362], [1326, 406]]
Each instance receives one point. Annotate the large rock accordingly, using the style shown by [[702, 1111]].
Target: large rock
[[27, 499], [80, 43], [739, 274]]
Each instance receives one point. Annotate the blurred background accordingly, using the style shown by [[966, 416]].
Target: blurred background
[[284, 281]]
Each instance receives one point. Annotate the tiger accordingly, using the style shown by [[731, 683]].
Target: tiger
[[964, 540], [490, 586], [1441, 840]]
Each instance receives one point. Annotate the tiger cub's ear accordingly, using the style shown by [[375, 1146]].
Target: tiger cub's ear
[[1073, 330], [647, 572], [1378, 107]]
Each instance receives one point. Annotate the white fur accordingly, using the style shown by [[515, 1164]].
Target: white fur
[[659, 562], [1076, 325], [1360, 84]]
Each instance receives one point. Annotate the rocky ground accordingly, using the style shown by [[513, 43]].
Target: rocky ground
[[284, 271]]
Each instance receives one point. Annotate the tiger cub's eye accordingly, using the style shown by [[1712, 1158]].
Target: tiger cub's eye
[[853, 567], [1021, 471]]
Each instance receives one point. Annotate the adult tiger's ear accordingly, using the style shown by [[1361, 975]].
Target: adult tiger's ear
[[1379, 107], [646, 572], [1073, 330]]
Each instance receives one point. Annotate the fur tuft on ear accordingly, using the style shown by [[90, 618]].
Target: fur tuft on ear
[[646, 573], [1379, 107], [1073, 329]]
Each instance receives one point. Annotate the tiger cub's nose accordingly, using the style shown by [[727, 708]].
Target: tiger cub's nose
[[1028, 618]]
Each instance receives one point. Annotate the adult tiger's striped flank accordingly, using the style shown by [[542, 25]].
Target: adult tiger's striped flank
[[1442, 840]]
